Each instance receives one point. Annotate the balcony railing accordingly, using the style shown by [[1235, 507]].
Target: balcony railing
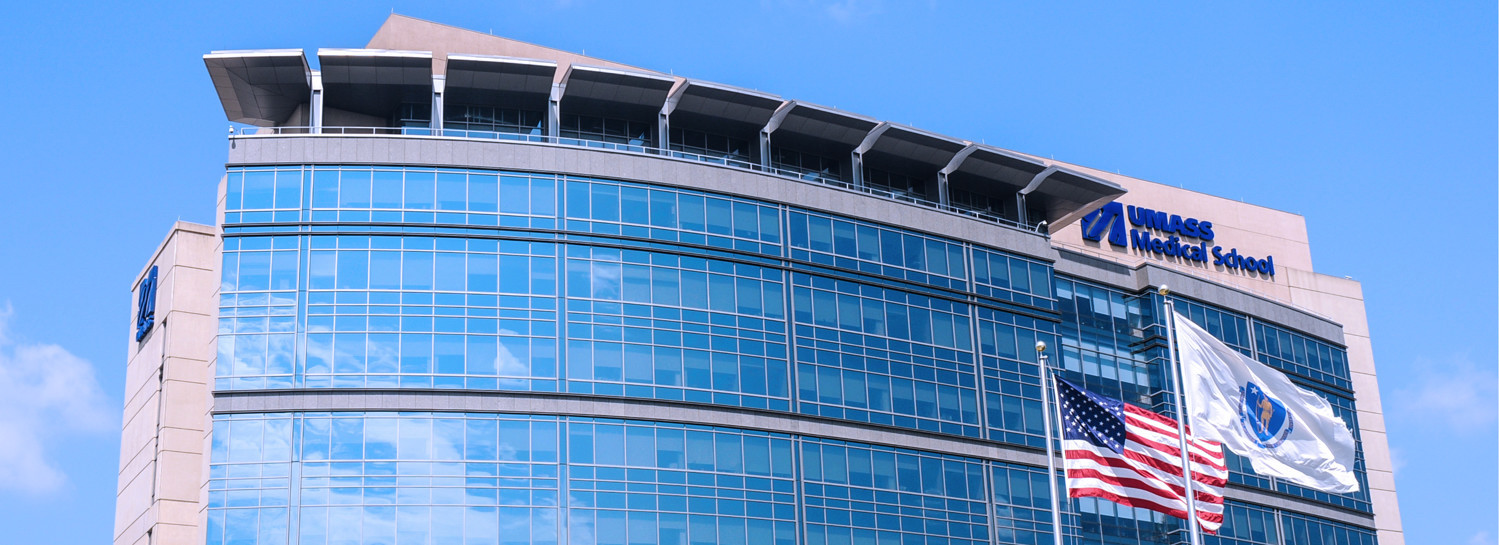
[[732, 162]]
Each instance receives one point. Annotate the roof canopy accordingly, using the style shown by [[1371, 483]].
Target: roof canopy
[[596, 90], [267, 88], [819, 128], [485, 79], [260, 87], [374, 81], [706, 102], [912, 148]]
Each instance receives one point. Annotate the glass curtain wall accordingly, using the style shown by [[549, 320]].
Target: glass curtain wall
[[338, 277]]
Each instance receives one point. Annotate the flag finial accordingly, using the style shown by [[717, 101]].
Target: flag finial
[[1164, 290]]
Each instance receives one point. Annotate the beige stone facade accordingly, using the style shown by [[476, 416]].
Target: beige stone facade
[[167, 395]]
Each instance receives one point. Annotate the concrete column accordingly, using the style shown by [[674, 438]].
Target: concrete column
[[765, 150], [942, 197], [316, 119], [864, 147], [1020, 196], [439, 83], [663, 128], [856, 160], [554, 110], [770, 127]]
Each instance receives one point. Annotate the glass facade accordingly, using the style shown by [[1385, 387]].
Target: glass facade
[[422, 279]]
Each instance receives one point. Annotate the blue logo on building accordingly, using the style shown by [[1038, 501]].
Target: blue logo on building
[[145, 306], [1263, 418], [1110, 218], [1166, 235]]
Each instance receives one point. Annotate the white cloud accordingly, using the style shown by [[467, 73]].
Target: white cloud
[[1481, 538], [846, 11], [842, 12], [1453, 392], [45, 391]]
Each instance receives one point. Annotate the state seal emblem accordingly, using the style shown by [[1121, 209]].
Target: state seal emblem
[[1263, 418]]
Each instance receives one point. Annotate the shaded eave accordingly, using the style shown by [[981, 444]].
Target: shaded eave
[[616, 88], [481, 74], [261, 86], [374, 81], [709, 100]]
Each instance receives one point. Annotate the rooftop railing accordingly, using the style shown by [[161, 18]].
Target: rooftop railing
[[728, 161]]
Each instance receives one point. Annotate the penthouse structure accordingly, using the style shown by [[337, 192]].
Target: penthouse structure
[[470, 290]]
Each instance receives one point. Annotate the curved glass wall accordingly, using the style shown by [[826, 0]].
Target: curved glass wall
[[373, 277], [467, 279]]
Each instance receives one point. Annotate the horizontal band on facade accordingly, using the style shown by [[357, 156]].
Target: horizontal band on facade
[[576, 405]]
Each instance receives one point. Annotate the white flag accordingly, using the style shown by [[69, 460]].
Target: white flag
[[1285, 431]]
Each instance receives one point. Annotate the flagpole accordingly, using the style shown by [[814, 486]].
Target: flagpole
[[1178, 389], [1051, 462]]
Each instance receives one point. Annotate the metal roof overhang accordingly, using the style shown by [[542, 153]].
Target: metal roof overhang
[[260, 87], [374, 81], [1067, 195], [999, 167], [908, 145], [486, 79], [708, 102], [821, 129], [596, 89]]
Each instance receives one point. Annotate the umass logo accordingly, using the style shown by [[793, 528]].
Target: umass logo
[[1109, 218], [1166, 235]]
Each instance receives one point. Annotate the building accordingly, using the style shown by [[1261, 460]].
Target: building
[[471, 290]]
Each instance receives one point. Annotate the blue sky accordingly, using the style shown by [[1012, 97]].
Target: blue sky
[[1374, 120]]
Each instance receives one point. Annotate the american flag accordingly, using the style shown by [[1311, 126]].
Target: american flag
[[1131, 456]]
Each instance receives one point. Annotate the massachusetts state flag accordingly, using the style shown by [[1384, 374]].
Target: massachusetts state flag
[[1131, 456], [1284, 430]]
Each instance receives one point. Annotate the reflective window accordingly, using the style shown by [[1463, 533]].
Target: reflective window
[[873, 249], [1010, 278], [494, 119], [805, 165], [391, 195], [637, 210], [640, 482], [897, 184], [388, 312], [884, 356], [1103, 343], [636, 133], [1247, 525], [1012, 377], [1301, 355], [863, 494], [676, 327], [1022, 504], [1304, 530], [710, 146]]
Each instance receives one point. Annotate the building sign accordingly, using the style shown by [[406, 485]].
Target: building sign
[[145, 306], [1167, 235]]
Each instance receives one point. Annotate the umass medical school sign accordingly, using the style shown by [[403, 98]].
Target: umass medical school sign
[[1167, 235]]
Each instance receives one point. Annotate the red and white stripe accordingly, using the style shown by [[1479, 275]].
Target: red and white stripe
[[1148, 473]]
